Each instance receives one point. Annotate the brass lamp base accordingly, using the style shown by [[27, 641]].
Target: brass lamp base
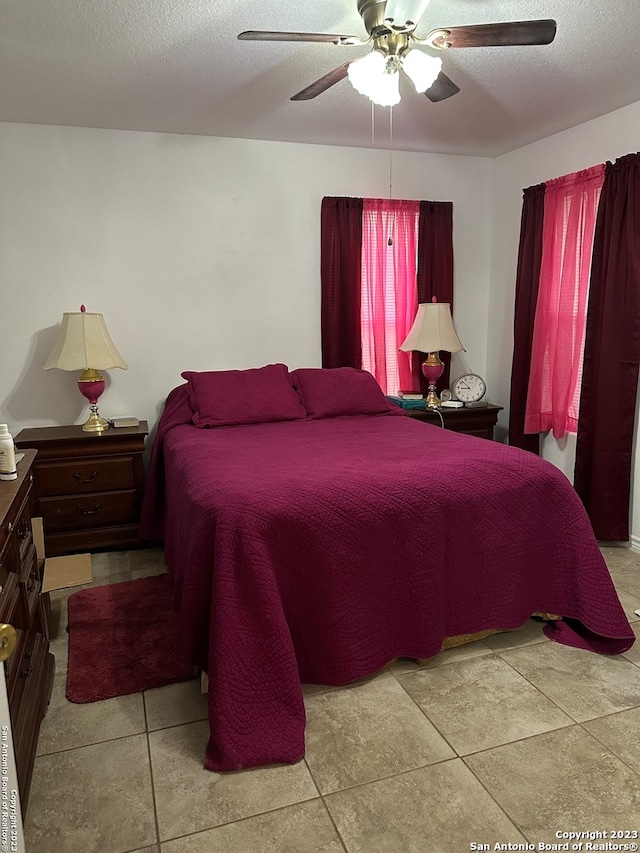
[[432, 401], [95, 423], [91, 385], [432, 368]]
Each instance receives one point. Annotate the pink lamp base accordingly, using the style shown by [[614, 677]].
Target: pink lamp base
[[432, 369], [92, 390]]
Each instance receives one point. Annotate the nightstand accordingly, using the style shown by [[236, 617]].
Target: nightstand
[[89, 486], [472, 421]]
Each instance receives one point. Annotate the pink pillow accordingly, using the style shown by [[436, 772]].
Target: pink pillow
[[259, 395], [331, 392]]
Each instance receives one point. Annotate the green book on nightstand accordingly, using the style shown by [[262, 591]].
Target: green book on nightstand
[[407, 404]]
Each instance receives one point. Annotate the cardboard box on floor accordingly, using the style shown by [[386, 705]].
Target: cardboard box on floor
[[60, 572]]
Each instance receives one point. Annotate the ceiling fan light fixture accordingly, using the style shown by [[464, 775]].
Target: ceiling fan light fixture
[[363, 72], [387, 90], [374, 77], [421, 68]]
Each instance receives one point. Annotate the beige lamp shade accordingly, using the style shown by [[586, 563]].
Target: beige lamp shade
[[432, 330], [84, 342]]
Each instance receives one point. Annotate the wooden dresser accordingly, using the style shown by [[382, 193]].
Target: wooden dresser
[[29, 670], [89, 486]]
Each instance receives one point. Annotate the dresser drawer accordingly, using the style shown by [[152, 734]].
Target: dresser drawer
[[83, 476], [9, 598], [11, 615], [100, 509], [37, 676], [17, 514], [23, 531], [29, 586], [7, 572], [17, 588], [20, 671], [12, 669]]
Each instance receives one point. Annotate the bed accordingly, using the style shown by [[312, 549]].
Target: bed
[[315, 533]]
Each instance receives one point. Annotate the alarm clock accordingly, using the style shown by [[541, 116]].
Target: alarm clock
[[445, 395], [469, 388]]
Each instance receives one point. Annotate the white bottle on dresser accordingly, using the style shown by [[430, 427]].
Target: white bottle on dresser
[[8, 469]]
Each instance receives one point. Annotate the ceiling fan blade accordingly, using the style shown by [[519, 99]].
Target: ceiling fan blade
[[498, 35], [442, 89], [324, 83], [264, 35]]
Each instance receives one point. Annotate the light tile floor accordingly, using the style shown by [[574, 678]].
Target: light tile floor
[[509, 740]]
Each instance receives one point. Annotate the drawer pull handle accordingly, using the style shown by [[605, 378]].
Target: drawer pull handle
[[88, 479], [7, 641], [9, 527], [83, 511]]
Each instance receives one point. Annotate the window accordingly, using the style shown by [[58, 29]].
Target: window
[[389, 296], [365, 316], [570, 208]]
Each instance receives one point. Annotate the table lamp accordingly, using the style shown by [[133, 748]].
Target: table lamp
[[432, 331], [84, 343]]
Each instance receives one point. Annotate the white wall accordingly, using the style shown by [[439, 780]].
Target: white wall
[[202, 253], [597, 141]]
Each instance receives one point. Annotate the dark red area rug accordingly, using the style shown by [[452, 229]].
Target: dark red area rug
[[121, 640]]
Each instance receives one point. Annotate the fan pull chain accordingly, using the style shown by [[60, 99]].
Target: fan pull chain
[[373, 125], [390, 152], [390, 240]]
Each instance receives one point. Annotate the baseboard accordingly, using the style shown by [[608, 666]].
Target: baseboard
[[632, 545]]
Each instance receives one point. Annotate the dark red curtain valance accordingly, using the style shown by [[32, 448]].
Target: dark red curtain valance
[[527, 281], [611, 355]]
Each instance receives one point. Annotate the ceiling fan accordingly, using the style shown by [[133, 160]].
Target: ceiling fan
[[391, 25]]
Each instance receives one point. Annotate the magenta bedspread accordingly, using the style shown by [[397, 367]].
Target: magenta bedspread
[[319, 550]]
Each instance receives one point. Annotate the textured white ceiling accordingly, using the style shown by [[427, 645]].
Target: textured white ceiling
[[177, 66]]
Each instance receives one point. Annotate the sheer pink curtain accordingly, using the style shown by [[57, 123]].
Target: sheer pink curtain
[[389, 293], [570, 209]]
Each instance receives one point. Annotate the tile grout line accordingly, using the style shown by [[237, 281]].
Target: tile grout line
[[464, 755], [326, 807], [497, 802], [151, 777], [603, 744], [239, 820], [572, 724]]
